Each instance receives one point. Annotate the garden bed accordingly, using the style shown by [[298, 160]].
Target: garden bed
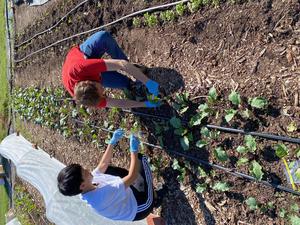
[[252, 48]]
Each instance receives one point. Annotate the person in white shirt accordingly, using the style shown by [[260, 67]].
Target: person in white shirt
[[113, 192]]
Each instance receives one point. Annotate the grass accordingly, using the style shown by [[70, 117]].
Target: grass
[[3, 204], [3, 104], [3, 80]]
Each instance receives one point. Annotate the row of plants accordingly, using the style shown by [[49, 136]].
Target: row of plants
[[182, 9], [52, 108]]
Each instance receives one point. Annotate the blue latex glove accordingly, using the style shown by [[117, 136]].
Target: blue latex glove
[[149, 104], [118, 134], [134, 144], [152, 87]]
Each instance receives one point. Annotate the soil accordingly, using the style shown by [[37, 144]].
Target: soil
[[252, 47]]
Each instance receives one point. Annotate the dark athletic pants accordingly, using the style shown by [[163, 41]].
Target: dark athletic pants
[[144, 199]]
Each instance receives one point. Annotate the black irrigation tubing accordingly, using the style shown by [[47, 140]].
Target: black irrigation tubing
[[212, 165], [227, 129], [55, 25], [103, 26]]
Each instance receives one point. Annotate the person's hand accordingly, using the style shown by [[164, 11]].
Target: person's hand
[[152, 87], [149, 104], [134, 144], [118, 134]]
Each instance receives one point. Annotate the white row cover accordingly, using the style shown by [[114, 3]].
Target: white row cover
[[40, 170]]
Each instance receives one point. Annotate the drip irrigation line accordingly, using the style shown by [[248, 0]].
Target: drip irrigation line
[[226, 129], [212, 165], [55, 25], [103, 26]]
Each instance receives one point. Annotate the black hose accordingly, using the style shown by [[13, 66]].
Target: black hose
[[103, 26], [55, 25], [226, 129], [212, 165]]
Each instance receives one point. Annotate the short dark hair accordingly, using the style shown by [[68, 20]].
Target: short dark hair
[[69, 180]]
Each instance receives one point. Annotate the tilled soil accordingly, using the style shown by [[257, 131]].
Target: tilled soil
[[251, 47]]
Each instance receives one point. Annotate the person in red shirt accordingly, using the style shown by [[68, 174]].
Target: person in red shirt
[[85, 74]]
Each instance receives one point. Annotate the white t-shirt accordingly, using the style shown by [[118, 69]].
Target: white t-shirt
[[110, 199]]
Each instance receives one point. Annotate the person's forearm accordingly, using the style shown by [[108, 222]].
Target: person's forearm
[[123, 103], [133, 170], [135, 72], [115, 64], [106, 159]]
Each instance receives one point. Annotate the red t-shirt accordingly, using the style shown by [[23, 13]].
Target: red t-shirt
[[76, 68]]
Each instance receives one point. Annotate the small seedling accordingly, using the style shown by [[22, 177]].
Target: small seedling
[[221, 186], [281, 150], [200, 188], [212, 95], [230, 114], [256, 170], [258, 102], [180, 9], [136, 22], [150, 20], [220, 154], [252, 203], [235, 98], [242, 161], [250, 143]]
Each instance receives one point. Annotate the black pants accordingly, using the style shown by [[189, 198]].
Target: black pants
[[144, 199]]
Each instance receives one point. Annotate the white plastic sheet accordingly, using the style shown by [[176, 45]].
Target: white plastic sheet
[[40, 170]]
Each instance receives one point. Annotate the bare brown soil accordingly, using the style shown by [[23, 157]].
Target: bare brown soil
[[252, 47]]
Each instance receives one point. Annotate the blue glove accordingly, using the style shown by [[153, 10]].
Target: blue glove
[[134, 144], [149, 104], [118, 134], [152, 87]]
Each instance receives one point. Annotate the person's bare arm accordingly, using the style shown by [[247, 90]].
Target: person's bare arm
[[106, 159], [116, 64], [123, 103], [133, 170]]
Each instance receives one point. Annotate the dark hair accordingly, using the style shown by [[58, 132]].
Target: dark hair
[[69, 180]]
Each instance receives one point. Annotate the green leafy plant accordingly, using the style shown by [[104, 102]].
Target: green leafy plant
[[281, 150], [204, 112], [200, 188], [185, 143], [242, 161], [180, 9], [221, 186], [294, 220], [194, 5], [216, 3], [292, 127], [136, 22], [212, 95], [235, 98], [256, 170], [220, 154], [241, 149], [230, 114], [245, 114], [175, 122], [167, 16], [201, 172], [250, 143], [150, 20], [258, 102], [201, 143], [252, 203]]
